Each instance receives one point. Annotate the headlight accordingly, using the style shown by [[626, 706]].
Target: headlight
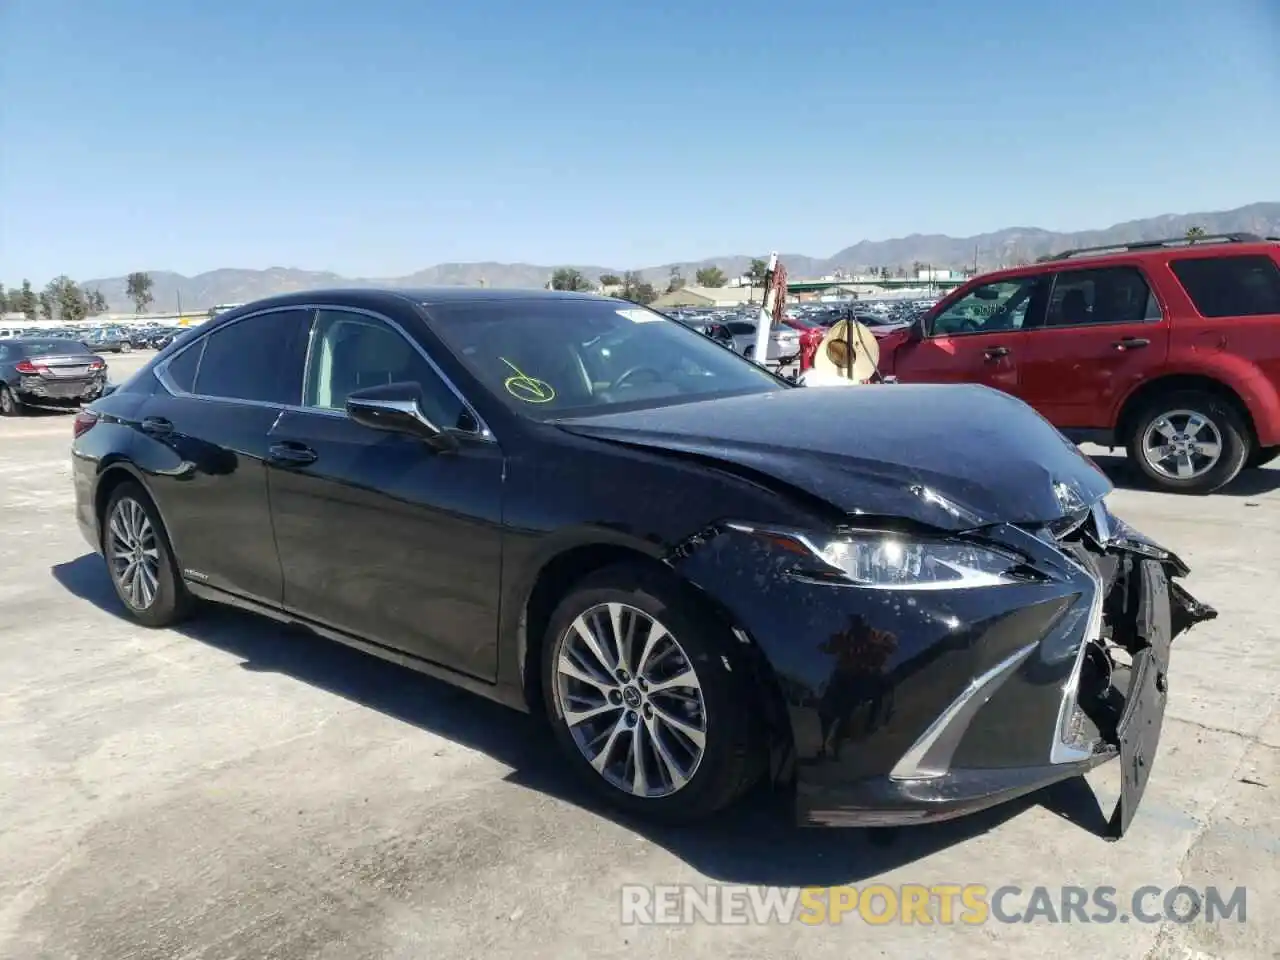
[[887, 561]]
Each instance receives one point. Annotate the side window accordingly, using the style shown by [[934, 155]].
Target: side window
[[181, 371], [4, 352], [256, 359], [739, 328], [993, 306], [1231, 286], [1108, 295], [351, 351]]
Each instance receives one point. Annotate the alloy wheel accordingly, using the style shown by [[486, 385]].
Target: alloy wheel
[[631, 699], [133, 553], [1182, 445], [7, 404]]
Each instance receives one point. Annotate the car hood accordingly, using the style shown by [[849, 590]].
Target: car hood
[[952, 456]]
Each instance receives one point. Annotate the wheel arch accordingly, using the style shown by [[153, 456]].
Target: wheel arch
[[109, 480], [1178, 382], [561, 572]]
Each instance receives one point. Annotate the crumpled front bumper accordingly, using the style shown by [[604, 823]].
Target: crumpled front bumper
[[1110, 704]]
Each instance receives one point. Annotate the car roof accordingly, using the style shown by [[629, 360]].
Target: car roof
[[1092, 257], [424, 296], [28, 340]]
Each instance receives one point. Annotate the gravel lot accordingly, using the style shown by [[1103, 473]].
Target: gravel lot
[[238, 789]]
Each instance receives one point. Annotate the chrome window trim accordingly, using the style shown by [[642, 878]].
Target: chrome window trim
[[161, 369]]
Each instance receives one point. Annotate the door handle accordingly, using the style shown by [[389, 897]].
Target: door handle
[[1131, 343], [995, 353], [157, 426], [289, 454]]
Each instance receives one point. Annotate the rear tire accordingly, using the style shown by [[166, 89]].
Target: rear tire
[[685, 777], [9, 404], [1181, 424], [140, 559]]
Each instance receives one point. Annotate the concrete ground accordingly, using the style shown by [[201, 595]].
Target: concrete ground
[[237, 789]]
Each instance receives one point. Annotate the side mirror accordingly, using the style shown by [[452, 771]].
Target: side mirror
[[915, 332], [397, 408]]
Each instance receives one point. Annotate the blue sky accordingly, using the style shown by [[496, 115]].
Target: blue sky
[[374, 138]]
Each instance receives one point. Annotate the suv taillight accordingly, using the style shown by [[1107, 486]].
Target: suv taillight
[[26, 366], [83, 423]]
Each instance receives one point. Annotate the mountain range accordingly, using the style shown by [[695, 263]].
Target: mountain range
[[173, 291]]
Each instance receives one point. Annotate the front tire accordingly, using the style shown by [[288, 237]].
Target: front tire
[[642, 699], [140, 559], [1189, 442]]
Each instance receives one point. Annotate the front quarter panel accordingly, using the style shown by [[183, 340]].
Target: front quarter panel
[[564, 492], [864, 672]]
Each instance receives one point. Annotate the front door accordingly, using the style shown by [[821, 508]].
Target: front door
[[379, 535], [1102, 334], [977, 338]]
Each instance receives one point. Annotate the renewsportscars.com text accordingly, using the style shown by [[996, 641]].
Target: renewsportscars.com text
[[926, 904]]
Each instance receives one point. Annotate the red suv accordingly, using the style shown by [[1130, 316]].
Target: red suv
[[1169, 348]]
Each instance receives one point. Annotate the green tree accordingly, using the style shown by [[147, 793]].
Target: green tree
[[27, 301], [636, 289], [756, 272], [64, 301], [610, 280], [96, 301], [710, 277], [138, 288], [566, 278], [1195, 233], [675, 280]]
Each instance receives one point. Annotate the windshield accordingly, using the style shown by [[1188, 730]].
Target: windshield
[[549, 357]]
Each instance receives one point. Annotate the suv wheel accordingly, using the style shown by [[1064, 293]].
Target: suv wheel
[[642, 700], [1189, 442]]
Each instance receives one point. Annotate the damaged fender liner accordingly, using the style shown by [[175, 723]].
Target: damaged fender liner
[[1163, 610]]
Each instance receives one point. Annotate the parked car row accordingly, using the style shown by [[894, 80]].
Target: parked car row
[[739, 330]]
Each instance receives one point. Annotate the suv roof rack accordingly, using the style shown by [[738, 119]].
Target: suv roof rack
[[1156, 244]]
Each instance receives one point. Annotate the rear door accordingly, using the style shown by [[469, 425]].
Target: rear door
[[977, 338], [223, 393], [1102, 333], [1236, 303]]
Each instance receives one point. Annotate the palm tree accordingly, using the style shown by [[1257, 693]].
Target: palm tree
[[1195, 233]]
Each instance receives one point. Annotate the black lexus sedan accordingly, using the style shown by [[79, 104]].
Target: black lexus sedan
[[48, 372], [902, 603]]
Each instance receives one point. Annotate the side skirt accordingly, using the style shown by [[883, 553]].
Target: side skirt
[[499, 693]]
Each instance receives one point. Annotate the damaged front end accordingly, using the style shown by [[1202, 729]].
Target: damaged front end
[[1114, 703]]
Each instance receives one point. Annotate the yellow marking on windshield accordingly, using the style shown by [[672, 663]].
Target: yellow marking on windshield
[[526, 388]]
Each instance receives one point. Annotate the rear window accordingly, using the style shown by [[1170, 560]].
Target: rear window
[[1244, 286], [47, 348]]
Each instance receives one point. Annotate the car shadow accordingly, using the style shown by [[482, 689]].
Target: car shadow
[[755, 842], [32, 412], [1248, 483]]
